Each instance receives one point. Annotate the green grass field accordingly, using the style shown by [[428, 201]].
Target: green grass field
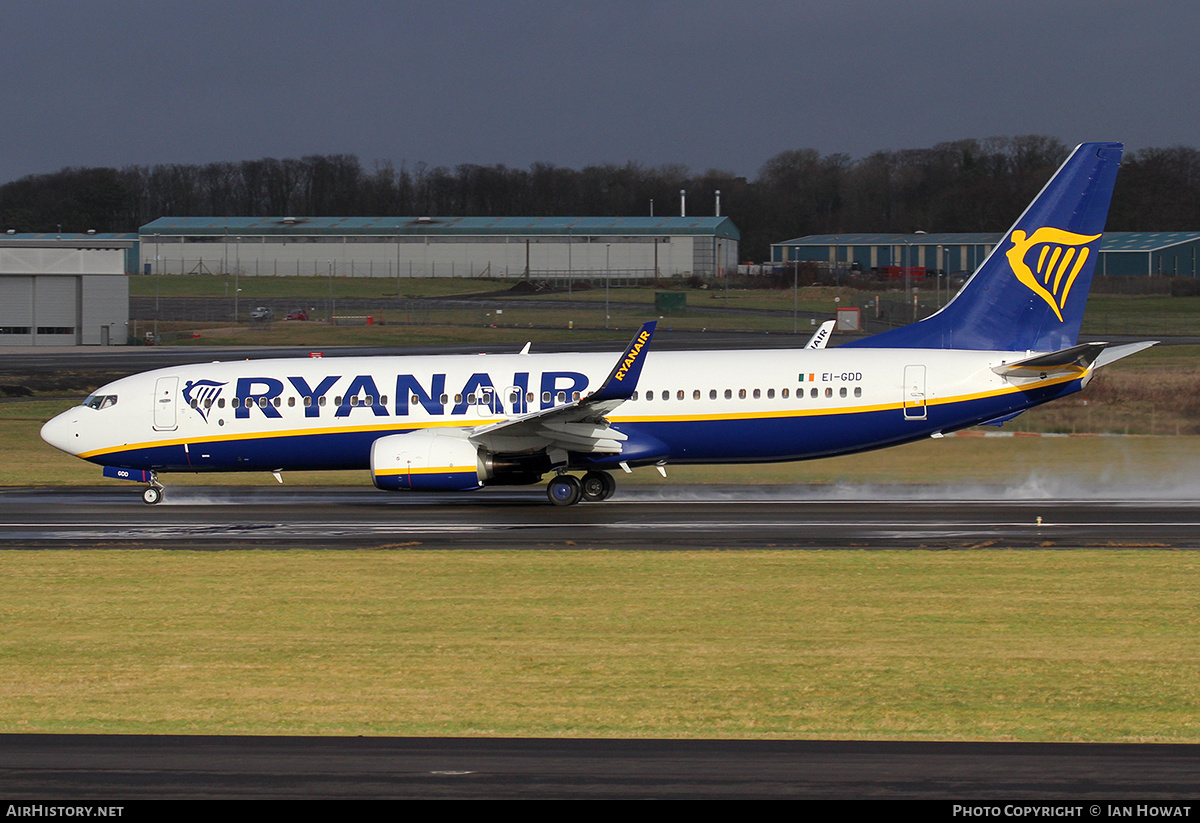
[[1106, 314], [971, 645]]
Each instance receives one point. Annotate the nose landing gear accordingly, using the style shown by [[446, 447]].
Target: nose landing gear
[[153, 493]]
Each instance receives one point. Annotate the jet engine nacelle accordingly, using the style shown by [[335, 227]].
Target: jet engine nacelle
[[426, 461]]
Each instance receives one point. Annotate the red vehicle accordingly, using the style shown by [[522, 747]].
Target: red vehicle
[[298, 314]]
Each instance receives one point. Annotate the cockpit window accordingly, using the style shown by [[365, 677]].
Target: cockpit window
[[100, 401]]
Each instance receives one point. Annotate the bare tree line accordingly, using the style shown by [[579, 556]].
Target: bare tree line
[[965, 185]]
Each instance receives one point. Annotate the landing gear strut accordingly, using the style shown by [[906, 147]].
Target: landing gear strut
[[566, 490]]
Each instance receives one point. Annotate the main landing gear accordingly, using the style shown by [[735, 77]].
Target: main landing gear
[[567, 490]]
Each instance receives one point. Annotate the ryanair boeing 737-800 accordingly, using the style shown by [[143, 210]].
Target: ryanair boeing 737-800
[[1005, 343]]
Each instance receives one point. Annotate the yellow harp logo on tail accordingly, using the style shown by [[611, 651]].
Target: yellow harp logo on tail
[[1059, 260]]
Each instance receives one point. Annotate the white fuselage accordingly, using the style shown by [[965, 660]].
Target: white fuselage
[[713, 406]]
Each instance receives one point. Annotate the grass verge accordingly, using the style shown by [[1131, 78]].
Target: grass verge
[[995, 645]]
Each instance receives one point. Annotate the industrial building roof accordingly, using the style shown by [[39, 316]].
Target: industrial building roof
[[74, 240], [893, 239], [1113, 241], [578, 226]]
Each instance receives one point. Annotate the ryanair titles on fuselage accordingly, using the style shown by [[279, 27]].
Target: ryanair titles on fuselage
[[348, 394]]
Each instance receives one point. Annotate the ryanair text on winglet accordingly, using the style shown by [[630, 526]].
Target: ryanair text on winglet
[[632, 357]]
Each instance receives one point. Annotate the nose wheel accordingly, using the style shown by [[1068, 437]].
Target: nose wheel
[[152, 495]]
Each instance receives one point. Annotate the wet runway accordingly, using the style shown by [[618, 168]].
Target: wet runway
[[659, 518]]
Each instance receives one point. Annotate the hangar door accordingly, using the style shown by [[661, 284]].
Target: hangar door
[[56, 310], [39, 310], [16, 310]]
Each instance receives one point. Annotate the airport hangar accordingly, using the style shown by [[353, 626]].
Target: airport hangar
[[1122, 253], [540, 248], [65, 289]]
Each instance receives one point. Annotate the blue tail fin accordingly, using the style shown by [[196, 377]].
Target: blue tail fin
[[1030, 292]]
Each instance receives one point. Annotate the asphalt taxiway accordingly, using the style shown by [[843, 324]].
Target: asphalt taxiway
[[659, 518], [50, 769]]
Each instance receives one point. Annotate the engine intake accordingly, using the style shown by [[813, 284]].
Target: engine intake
[[426, 461]]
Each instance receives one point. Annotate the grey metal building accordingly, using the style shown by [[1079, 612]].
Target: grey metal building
[[1129, 253], [63, 290], [500, 247]]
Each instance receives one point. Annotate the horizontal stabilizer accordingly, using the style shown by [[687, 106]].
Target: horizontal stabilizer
[[1074, 360], [1114, 353]]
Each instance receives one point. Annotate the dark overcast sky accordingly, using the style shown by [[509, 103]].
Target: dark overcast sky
[[707, 84]]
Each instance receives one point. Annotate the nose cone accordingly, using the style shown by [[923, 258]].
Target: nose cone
[[62, 432]]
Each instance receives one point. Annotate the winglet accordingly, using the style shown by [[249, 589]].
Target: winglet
[[820, 338], [623, 379]]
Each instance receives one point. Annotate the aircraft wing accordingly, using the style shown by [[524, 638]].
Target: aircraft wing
[[580, 425]]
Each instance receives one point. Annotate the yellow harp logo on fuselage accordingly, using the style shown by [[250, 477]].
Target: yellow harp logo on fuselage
[[1059, 261]]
